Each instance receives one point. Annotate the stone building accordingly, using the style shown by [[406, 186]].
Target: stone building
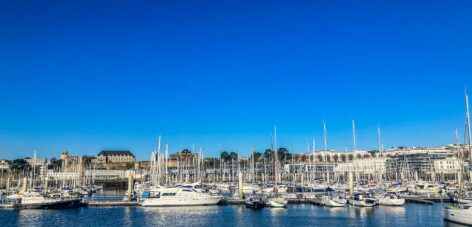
[[115, 156]]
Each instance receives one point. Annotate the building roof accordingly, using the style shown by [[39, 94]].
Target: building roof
[[112, 153]]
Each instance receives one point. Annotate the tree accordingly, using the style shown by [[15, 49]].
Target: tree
[[233, 156], [351, 157], [283, 154], [336, 158], [224, 156], [268, 153], [186, 151], [343, 157], [55, 163], [257, 156], [20, 165]]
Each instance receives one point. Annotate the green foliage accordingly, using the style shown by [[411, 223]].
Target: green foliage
[[268, 154], [186, 151], [257, 156], [224, 156], [129, 165], [233, 156], [283, 154], [55, 163], [19, 165]]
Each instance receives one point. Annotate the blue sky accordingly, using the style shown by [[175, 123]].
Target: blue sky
[[90, 75]]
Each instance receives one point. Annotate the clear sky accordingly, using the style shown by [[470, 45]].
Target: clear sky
[[89, 75]]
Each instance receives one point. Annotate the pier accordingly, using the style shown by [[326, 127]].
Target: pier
[[110, 203]]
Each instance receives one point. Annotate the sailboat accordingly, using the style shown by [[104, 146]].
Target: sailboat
[[277, 201], [333, 201], [462, 213]]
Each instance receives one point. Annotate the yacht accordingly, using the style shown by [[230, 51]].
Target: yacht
[[460, 214], [333, 201], [35, 200], [426, 188], [362, 201], [197, 186], [254, 203], [180, 197], [391, 200]]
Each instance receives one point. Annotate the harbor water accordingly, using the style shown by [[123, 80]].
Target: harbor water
[[410, 214]]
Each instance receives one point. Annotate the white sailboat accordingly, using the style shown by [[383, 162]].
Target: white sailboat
[[391, 200], [331, 201], [461, 214], [277, 202], [360, 200]]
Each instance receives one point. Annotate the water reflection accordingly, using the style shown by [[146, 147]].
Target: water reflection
[[394, 210], [276, 212], [301, 215], [336, 211]]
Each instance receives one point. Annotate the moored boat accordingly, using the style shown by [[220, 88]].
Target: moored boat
[[391, 200], [362, 201], [180, 197], [331, 201], [461, 214]]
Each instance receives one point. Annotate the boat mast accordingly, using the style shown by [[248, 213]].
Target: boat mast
[[276, 158], [468, 122], [353, 135], [379, 138], [324, 136]]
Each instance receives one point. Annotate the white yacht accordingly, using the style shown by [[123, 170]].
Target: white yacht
[[34, 200], [197, 186], [360, 200], [426, 188], [461, 214], [331, 201], [180, 197], [249, 188], [391, 200]]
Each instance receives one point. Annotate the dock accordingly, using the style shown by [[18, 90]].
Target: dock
[[418, 200], [110, 203]]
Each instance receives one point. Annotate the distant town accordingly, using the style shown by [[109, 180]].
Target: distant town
[[402, 163]]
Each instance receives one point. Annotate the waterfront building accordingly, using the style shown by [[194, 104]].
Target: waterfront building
[[116, 156], [4, 165], [370, 168], [36, 161]]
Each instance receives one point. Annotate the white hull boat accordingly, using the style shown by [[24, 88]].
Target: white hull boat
[[391, 202], [362, 202], [333, 202], [181, 197], [460, 215], [278, 202]]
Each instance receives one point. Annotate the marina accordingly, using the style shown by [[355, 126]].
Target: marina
[[236, 113]]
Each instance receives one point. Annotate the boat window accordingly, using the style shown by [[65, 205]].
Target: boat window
[[187, 190], [169, 194]]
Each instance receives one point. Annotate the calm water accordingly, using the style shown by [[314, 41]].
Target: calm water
[[296, 215]]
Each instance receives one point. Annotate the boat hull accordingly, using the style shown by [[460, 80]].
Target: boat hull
[[255, 205], [459, 216], [361, 203], [197, 201], [391, 202], [64, 204]]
